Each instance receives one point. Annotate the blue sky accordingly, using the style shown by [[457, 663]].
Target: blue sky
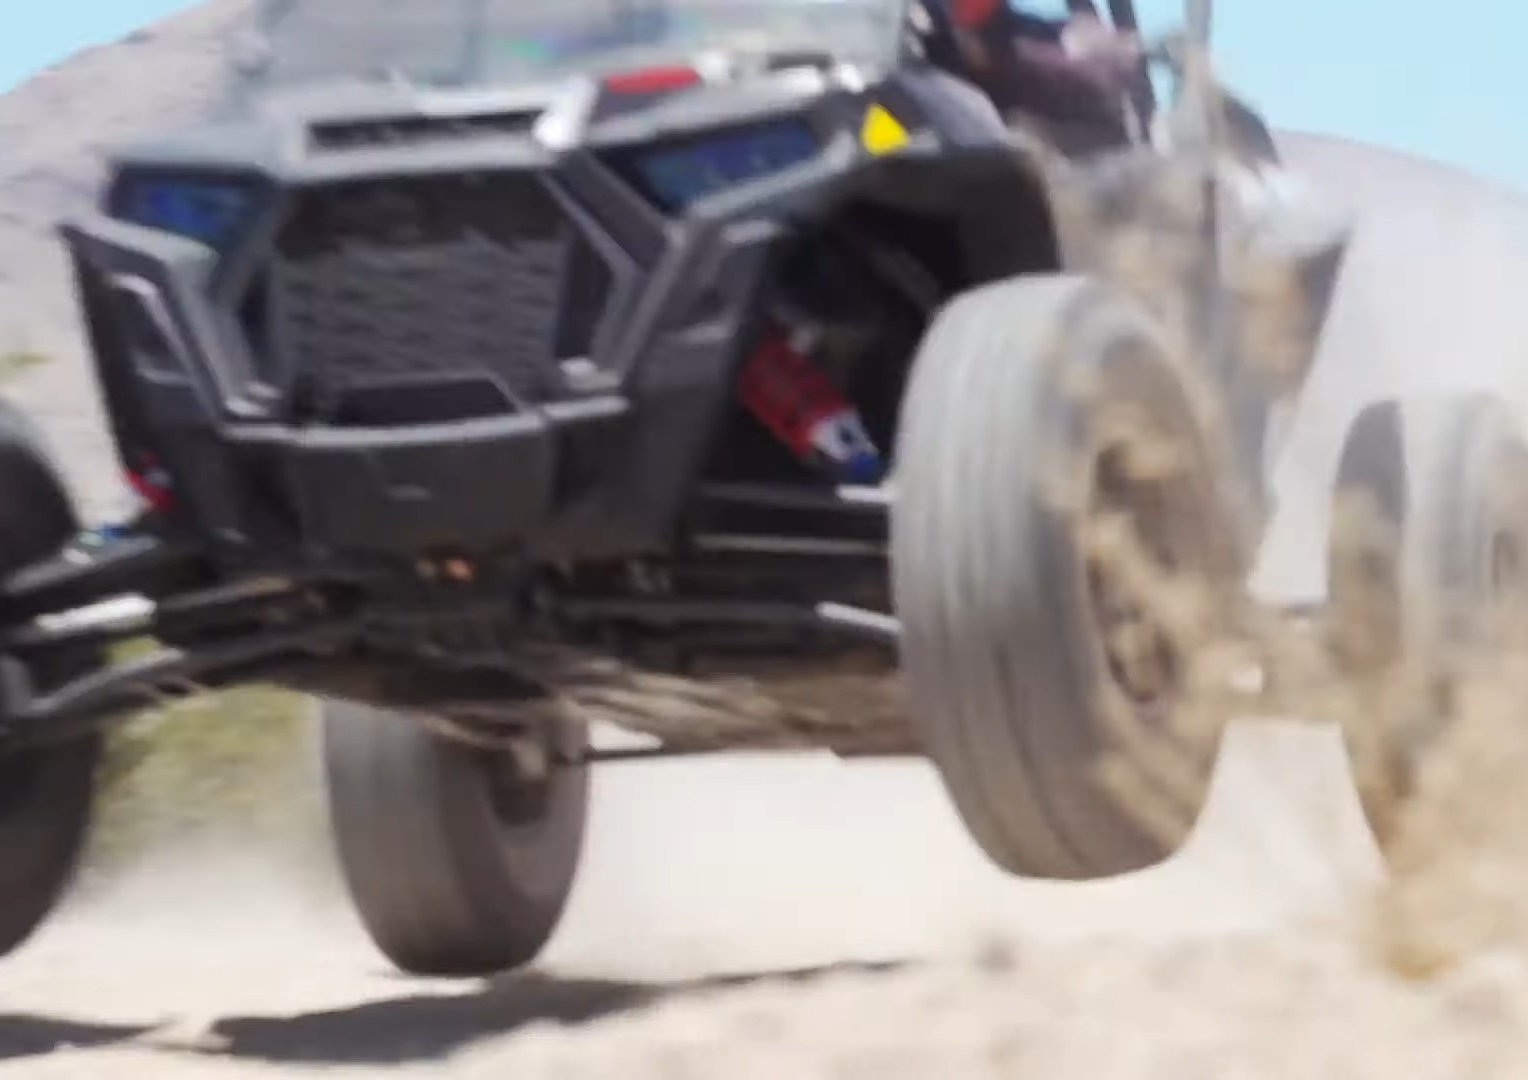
[[1390, 71]]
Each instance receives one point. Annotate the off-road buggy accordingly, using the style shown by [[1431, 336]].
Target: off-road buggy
[[434, 361]]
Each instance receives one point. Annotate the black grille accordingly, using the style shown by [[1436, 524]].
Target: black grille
[[407, 283]]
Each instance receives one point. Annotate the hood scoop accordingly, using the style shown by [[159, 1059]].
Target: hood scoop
[[414, 129]]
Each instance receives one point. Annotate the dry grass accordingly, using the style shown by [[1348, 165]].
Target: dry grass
[[231, 767], [19, 360]]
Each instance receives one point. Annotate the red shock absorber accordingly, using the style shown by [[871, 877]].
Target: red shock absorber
[[150, 483], [797, 402]]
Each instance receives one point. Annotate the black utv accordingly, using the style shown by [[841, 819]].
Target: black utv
[[726, 372]]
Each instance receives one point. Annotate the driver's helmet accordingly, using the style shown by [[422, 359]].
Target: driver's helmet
[[971, 13]]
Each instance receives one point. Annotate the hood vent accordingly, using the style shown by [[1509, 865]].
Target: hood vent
[[391, 132]]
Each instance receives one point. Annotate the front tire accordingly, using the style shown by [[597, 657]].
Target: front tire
[[47, 792], [457, 863], [1052, 736]]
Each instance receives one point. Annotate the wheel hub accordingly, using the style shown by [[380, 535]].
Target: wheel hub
[[1142, 658]]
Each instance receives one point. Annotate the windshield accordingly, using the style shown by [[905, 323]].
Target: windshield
[[480, 42]]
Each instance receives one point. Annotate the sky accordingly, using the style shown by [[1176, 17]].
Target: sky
[[1395, 72]]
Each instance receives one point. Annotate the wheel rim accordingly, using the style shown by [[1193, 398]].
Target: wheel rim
[[1157, 570], [1506, 600], [1365, 585], [532, 814], [1158, 522], [515, 799], [1139, 656], [1368, 642]]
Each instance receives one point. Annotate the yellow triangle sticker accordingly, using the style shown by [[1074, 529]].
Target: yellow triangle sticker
[[881, 133]]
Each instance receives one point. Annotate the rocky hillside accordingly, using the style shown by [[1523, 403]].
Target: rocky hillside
[[55, 130]]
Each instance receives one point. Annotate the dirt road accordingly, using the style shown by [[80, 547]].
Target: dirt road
[[856, 879]]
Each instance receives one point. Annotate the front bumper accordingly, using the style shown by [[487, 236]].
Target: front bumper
[[381, 365]]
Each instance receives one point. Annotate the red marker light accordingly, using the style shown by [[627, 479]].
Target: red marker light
[[653, 80], [151, 488]]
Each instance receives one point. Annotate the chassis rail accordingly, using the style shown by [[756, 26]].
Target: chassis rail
[[314, 635]]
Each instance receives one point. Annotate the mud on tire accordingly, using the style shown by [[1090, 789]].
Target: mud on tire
[[1427, 570], [1039, 407]]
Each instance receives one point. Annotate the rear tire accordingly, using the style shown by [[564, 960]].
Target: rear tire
[[1427, 564], [456, 864], [46, 793], [1006, 451]]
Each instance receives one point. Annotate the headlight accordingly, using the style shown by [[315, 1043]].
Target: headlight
[[211, 210], [679, 174]]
